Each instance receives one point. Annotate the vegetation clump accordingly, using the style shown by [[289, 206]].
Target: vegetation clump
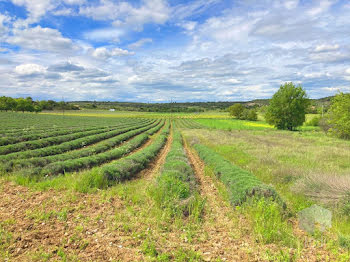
[[128, 166], [240, 112], [338, 116], [287, 107], [175, 188], [240, 183]]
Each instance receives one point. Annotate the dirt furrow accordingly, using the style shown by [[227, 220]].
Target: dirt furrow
[[224, 240], [155, 166]]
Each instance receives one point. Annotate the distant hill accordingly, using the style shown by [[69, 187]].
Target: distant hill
[[180, 107]]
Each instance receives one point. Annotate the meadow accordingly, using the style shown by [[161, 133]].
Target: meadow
[[124, 186]]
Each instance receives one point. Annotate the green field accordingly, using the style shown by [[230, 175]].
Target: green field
[[99, 185]]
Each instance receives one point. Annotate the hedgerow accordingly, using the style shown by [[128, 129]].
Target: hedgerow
[[127, 167], [88, 151], [61, 148], [240, 183], [175, 188], [97, 159]]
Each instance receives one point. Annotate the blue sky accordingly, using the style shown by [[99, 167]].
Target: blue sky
[[158, 50]]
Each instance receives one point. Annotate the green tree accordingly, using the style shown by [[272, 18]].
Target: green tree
[[24, 105], [7, 103], [339, 116], [252, 115], [236, 110], [287, 107]]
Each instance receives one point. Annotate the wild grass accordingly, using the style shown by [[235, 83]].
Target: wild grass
[[268, 222], [175, 189], [240, 183], [233, 124], [304, 167]]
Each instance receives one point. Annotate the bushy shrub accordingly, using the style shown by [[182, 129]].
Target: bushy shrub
[[339, 116], [315, 121], [240, 112], [236, 110]]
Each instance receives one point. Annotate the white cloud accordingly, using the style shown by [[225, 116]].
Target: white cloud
[[104, 53], [188, 25], [64, 12], [347, 71], [323, 6], [36, 8], [325, 47], [39, 38], [104, 34], [3, 19], [124, 14], [140, 43], [291, 4], [317, 75], [74, 2], [232, 81], [29, 69]]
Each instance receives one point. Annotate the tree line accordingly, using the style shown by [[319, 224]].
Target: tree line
[[29, 105]]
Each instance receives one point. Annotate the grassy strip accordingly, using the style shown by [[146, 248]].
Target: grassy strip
[[88, 151], [98, 159], [49, 134], [240, 183], [64, 147], [175, 189], [127, 167]]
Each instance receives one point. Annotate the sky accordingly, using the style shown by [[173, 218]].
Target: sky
[[161, 51]]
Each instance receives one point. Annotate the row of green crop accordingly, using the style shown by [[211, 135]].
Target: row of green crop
[[69, 124], [84, 152], [175, 188], [56, 133], [187, 123], [240, 183], [43, 129], [97, 159], [15, 122], [127, 167], [64, 147], [42, 143], [47, 133]]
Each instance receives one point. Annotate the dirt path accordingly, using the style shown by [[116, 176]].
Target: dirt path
[[155, 166], [224, 240]]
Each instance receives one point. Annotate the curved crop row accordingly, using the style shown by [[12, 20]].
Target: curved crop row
[[48, 134], [240, 183], [176, 186], [24, 124], [41, 143], [98, 159], [64, 147], [187, 123], [84, 152], [127, 167], [42, 129]]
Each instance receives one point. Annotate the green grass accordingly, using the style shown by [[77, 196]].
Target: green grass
[[268, 221], [234, 124], [175, 190], [240, 183]]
